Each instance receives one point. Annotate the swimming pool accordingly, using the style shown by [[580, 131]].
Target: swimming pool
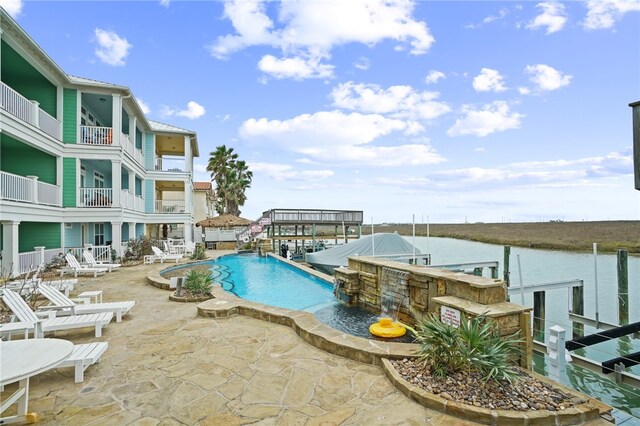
[[272, 282]]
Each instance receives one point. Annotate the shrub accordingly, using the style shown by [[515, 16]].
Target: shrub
[[475, 346], [199, 253], [137, 248], [198, 282]]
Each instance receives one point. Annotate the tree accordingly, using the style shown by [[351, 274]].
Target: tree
[[232, 178]]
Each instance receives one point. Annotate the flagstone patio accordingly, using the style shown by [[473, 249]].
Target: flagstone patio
[[167, 366]]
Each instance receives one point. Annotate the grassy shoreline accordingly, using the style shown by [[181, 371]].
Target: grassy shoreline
[[574, 236]]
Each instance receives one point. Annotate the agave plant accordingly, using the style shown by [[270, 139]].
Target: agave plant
[[475, 346], [198, 282]]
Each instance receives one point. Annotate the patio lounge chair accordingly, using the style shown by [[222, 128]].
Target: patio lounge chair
[[28, 284], [84, 356], [165, 256], [92, 262], [23, 313], [65, 306], [75, 268]]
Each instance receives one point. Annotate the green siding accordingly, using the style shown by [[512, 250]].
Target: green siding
[[69, 182], [149, 196], [23, 160], [149, 152], [70, 116], [34, 234], [22, 77]]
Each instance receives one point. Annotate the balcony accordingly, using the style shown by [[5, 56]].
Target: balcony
[[29, 190], [171, 164], [29, 111], [131, 201], [130, 148], [170, 206], [103, 136], [96, 197]]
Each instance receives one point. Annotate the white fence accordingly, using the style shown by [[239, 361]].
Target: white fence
[[93, 135], [170, 206], [96, 197], [16, 104], [20, 188]]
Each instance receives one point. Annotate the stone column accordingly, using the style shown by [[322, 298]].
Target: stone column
[[10, 260]]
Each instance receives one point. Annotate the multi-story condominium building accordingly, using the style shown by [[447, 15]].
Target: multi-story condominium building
[[79, 161]]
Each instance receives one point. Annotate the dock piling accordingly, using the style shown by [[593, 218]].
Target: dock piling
[[623, 287]]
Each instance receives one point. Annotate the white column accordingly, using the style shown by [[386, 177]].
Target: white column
[[132, 130], [188, 197], [59, 172], [132, 230], [116, 182], [132, 183], [116, 118], [10, 260], [116, 237], [188, 232], [34, 188], [188, 156], [36, 115]]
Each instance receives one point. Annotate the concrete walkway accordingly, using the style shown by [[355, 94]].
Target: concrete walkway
[[167, 366]]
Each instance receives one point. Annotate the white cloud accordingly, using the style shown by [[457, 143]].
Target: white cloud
[[301, 29], [335, 137], [434, 76], [362, 63], [194, 110], [297, 68], [604, 14], [112, 49], [144, 106], [553, 17], [489, 81], [489, 19], [165, 3], [546, 78], [524, 90], [282, 172], [494, 117], [398, 101], [13, 7]]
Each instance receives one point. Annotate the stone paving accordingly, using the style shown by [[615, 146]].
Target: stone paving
[[167, 366]]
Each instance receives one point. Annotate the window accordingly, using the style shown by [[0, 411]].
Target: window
[[68, 225], [98, 234], [98, 180], [83, 110], [83, 122]]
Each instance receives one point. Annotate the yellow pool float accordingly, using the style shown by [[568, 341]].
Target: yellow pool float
[[387, 328]]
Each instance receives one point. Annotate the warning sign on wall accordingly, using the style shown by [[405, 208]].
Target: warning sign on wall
[[450, 316]]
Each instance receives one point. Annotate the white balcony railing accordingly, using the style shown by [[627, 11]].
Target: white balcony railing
[[170, 206], [138, 203], [171, 164], [96, 197], [49, 194], [131, 201], [16, 104], [29, 190], [93, 135], [130, 148]]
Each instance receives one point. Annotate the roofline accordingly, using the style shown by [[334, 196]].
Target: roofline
[[634, 104]]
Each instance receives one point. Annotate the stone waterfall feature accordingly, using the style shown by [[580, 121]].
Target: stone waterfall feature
[[394, 294]]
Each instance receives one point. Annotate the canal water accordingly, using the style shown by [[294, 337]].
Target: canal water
[[543, 266]]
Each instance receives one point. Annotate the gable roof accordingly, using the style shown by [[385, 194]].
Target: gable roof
[[163, 127], [202, 186]]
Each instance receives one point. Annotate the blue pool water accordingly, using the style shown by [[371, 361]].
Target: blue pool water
[[269, 281]]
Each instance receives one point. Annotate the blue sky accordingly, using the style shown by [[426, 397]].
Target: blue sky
[[478, 111]]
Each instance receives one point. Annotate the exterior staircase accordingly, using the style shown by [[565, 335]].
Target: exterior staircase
[[252, 230]]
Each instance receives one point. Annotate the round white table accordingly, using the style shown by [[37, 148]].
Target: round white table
[[21, 359]]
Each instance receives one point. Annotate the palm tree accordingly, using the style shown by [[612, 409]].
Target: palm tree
[[232, 178]]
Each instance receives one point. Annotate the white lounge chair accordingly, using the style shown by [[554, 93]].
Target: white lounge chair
[[23, 313], [92, 262], [66, 306], [190, 247], [84, 356], [75, 267], [165, 256], [27, 284]]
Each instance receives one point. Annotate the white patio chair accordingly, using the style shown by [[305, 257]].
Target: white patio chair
[[28, 284], [165, 256], [92, 262], [75, 268], [65, 306], [23, 313]]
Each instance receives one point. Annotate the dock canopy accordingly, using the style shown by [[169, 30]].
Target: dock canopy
[[223, 221], [386, 245]]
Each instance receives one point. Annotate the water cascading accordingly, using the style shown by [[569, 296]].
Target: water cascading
[[393, 295]]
